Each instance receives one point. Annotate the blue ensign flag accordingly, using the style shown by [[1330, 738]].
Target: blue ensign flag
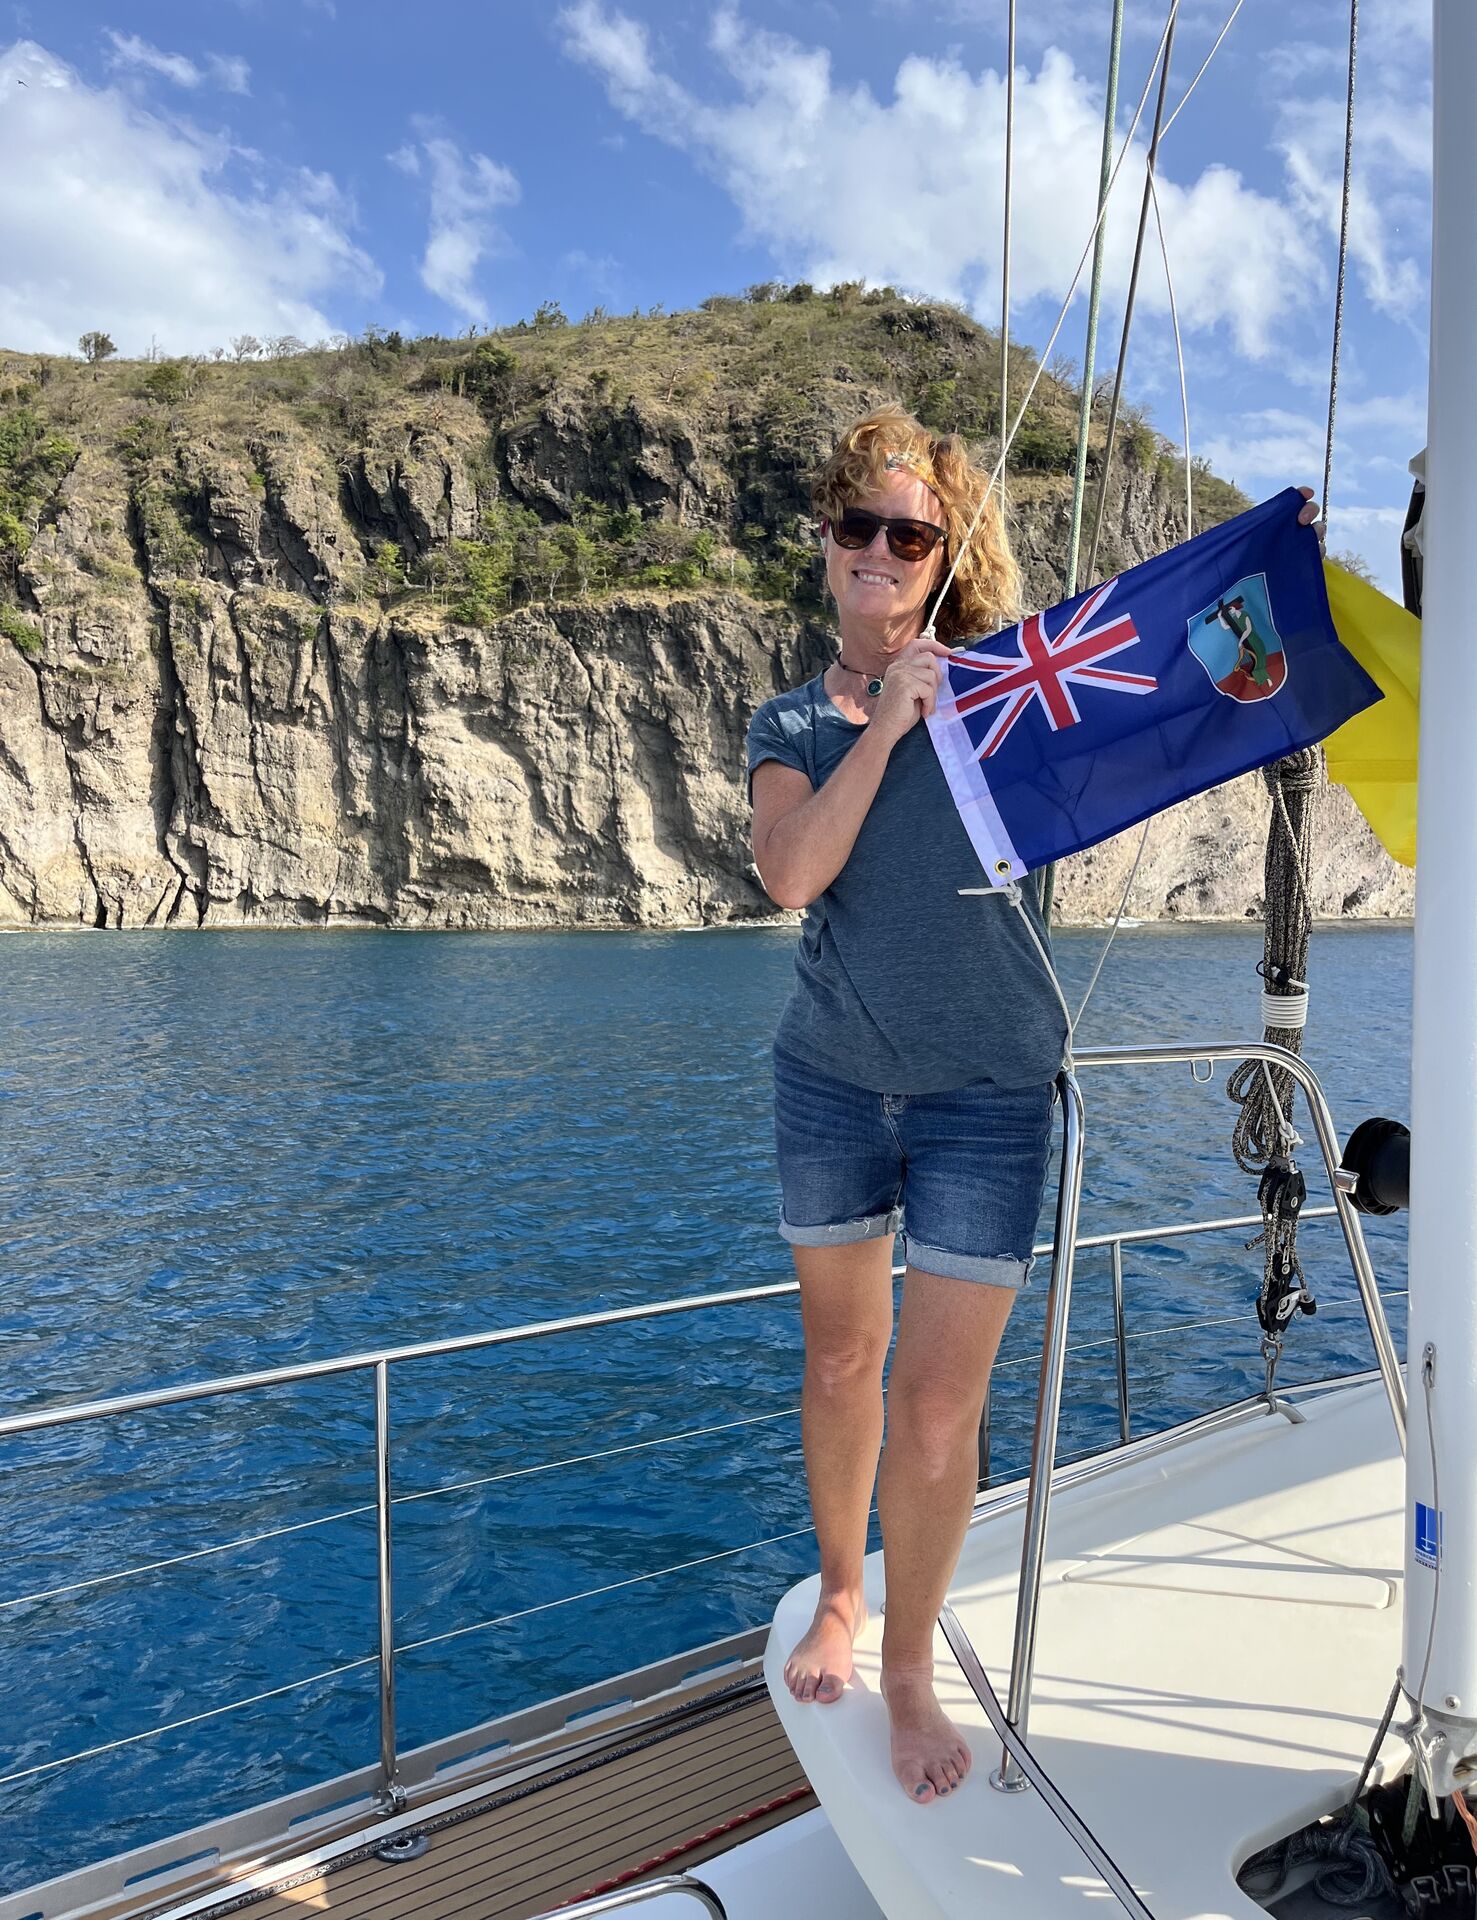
[[1212, 659]]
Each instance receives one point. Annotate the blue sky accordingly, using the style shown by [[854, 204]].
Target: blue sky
[[309, 166]]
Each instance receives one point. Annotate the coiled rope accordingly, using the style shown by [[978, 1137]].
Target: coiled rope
[[1264, 1134]]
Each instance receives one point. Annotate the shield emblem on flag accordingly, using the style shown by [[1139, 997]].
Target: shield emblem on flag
[[1236, 640]]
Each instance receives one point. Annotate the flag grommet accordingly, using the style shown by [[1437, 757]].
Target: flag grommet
[[1002, 866]]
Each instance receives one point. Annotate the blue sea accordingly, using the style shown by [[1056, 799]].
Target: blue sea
[[229, 1151]]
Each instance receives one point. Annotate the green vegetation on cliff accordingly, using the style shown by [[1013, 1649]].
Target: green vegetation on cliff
[[547, 462]]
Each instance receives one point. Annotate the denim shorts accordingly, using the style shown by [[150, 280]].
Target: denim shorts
[[961, 1174]]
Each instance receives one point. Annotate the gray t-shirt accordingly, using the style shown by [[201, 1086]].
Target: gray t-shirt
[[901, 984]]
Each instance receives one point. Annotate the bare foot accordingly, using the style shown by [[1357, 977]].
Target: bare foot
[[929, 1755], [821, 1664]]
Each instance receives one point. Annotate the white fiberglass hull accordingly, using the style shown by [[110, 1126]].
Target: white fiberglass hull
[[1219, 1629]]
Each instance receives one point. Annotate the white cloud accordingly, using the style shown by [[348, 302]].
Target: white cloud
[[126, 219], [465, 190], [601, 271], [840, 184], [1266, 446], [1383, 524], [1374, 534], [1389, 200], [130, 51], [227, 70]]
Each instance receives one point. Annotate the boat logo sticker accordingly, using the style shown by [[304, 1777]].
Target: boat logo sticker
[[1427, 1534], [1236, 640]]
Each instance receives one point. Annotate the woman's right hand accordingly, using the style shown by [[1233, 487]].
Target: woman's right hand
[[909, 690]]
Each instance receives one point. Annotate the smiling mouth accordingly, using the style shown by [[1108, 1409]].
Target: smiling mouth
[[873, 579]]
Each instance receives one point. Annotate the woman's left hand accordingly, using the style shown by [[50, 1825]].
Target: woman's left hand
[[1308, 515]]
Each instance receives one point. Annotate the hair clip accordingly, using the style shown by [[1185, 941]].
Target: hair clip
[[896, 460]]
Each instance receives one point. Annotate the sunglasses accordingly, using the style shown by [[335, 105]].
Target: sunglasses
[[906, 539]]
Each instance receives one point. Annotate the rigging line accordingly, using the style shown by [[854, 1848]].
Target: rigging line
[[1215, 48], [1036, 378], [1374, 1752], [1089, 362], [1117, 921], [1133, 282], [1338, 298], [400, 1500], [1092, 318], [1005, 238], [1300, 872], [1179, 355], [1094, 302]]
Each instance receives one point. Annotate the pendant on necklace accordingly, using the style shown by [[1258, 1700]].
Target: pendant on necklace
[[874, 686]]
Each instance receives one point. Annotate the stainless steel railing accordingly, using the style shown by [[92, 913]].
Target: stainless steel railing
[[677, 1883], [376, 1363], [1008, 1777]]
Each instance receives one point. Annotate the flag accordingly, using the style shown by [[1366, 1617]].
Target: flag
[[1374, 754], [1212, 659]]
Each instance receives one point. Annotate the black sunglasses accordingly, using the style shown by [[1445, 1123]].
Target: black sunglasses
[[906, 539]]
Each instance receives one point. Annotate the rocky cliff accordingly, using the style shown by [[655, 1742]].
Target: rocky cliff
[[467, 635]]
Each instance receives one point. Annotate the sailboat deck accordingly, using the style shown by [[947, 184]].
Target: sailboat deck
[[1219, 1629], [679, 1795]]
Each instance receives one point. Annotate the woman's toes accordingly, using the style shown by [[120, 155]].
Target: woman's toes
[[923, 1790], [828, 1688]]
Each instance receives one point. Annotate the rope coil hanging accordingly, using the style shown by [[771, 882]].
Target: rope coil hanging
[[1263, 1133]]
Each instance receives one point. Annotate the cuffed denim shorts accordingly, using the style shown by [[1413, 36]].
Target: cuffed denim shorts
[[960, 1174]]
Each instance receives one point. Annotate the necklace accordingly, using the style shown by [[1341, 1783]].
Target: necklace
[[873, 680]]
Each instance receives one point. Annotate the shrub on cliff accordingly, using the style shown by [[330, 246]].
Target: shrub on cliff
[[33, 458]]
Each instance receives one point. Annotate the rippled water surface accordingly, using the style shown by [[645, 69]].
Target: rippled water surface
[[230, 1151]]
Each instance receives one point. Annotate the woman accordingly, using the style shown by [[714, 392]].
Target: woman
[[914, 1063]]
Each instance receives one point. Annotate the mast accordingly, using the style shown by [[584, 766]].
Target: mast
[[1440, 1663]]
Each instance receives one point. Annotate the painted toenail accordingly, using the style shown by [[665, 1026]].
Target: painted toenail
[[920, 1791]]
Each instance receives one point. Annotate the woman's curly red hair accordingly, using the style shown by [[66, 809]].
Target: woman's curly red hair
[[985, 593]]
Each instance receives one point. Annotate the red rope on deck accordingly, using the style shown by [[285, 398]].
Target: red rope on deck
[[688, 1846]]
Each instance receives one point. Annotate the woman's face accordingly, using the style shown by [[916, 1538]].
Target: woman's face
[[871, 584]]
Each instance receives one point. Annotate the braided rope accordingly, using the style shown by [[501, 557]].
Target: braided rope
[[1263, 1132]]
